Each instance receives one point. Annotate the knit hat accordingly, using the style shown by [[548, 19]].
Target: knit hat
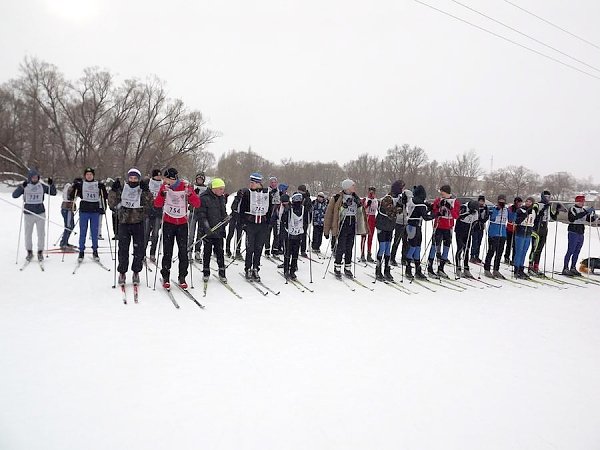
[[517, 199], [580, 198], [272, 178], [133, 172], [32, 173], [302, 188], [256, 177], [283, 187], [347, 184], [217, 183], [284, 198], [481, 197], [201, 175], [171, 173], [297, 197], [419, 194], [155, 173], [502, 197], [397, 188], [321, 194], [89, 169], [446, 188]]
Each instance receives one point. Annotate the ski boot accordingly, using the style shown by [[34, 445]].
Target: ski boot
[[166, 284], [248, 274], [408, 271], [80, 257], [135, 279], [267, 252], [304, 255], [430, 270], [498, 275], [293, 276], [488, 274], [394, 263], [348, 271], [122, 279], [205, 276], [362, 258], [337, 270], [378, 273], [467, 273], [222, 276], [40, 255], [228, 253], [95, 255], [387, 274], [29, 256], [182, 283], [567, 273], [255, 275], [370, 258], [418, 273], [575, 272], [440, 271], [197, 256]]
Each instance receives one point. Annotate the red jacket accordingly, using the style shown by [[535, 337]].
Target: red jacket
[[189, 197], [444, 215]]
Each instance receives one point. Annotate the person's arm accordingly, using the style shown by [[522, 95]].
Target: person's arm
[[159, 201], [19, 190], [50, 189], [455, 209]]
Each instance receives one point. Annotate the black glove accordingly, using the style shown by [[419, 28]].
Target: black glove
[[24, 184], [50, 181], [369, 203], [116, 186], [144, 185], [326, 236]]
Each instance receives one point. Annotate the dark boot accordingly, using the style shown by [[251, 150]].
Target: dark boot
[[348, 270], [440, 271], [378, 274], [40, 255], [408, 271], [337, 270], [387, 274], [418, 273], [222, 276], [370, 258], [29, 256]]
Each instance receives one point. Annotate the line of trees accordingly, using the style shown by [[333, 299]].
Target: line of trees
[[61, 126]]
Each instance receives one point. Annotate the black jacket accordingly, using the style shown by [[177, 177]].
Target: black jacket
[[245, 208], [211, 212]]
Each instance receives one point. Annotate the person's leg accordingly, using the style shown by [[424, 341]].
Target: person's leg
[[139, 245], [498, 252], [84, 219], [492, 249], [579, 238], [542, 242], [251, 232], [295, 250], [182, 238], [29, 222], [217, 245], [206, 255], [259, 242], [398, 232], [65, 236], [155, 232], [124, 238], [94, 225], [168, 238]]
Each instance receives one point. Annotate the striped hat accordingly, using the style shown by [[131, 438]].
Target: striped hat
[[256, 177]]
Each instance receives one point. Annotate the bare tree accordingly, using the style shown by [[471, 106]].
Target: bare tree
[[512, 181], [463, 172], [560, 184]]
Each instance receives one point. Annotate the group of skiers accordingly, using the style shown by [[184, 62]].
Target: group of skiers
[[276, 222]]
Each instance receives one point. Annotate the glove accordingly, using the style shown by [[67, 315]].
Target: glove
[[24, 184], [369, 203], [590, 209], [144, 185], [50, 181], [326, 236], [116, 186]]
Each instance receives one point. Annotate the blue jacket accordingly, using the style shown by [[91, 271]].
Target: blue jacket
[[498, 221], [319, 209]]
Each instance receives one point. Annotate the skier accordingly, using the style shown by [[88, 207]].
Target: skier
[[211, 213], [275, 221], [319, 206], [400, 230], [255, 211], [275, 201], [579, 216], [496, 238], [93, 203], [371, 205], [174, 196], [194, 231], [544, 211], [276, 247], [524, 227], [483, 214], [235, 227], [154, 219], [467, 218], [341, 220], [417, 211], [385, 220], [294, 223], [67, 210], [445, 211], [133, 203], [307, 203], [115, 216], [33, 191], [510, 229]]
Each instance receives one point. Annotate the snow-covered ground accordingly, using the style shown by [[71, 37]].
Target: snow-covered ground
[[509, 368]]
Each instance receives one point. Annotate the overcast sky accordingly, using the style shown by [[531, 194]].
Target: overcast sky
[[332, 79]]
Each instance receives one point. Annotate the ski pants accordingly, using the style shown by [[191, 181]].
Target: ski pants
[[195, 233], [151, 231], [369, 237], [291, 251], [234, 232], [538, 240], [399, 236], [172, 233], [256, 234], [476, 238], [464, 232], [69, 222], [575, 245], [317, 237], [210, 244], [510, 245], [495, 247], [93, 220], [127, 233], [345, 242], [440, 237], [521, 246], [385, 243], [40, 225], [415, 238]]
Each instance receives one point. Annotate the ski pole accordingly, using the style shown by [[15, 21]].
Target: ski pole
[[160, 236], [309, 240], [35, 215], [589, 246], [20, 229], [48, 225], [115, 266], [333, 248]]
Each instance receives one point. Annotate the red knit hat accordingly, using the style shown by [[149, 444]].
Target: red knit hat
[[580, 198]]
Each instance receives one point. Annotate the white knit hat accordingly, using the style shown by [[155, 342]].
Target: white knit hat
[[347, 184]]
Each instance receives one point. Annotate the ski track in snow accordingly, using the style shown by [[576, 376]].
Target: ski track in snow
[[484, 369]]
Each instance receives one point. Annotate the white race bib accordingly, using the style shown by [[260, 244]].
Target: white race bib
[[259, 203], [131, 197], [90, 191], [372, 210], [502, 218], [175, 204], [34, 194], [154, 186], [530, 220], [296, 224]]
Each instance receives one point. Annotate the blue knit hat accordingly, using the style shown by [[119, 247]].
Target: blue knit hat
[[256, 177]]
